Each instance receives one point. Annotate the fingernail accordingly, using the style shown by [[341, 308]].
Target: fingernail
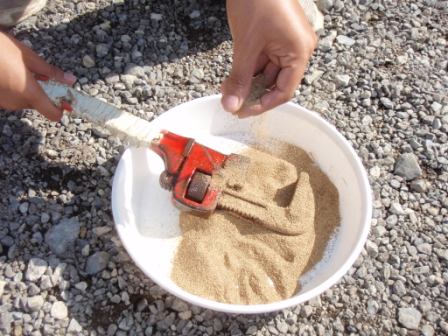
[[231, 103], [70, 78]]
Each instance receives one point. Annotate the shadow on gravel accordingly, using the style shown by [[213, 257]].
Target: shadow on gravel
[[40, 187], [133, 32]]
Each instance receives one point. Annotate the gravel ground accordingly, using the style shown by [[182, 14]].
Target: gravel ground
[[379, 75]]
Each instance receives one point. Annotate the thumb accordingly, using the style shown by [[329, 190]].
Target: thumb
[[236, 87], [38, 100]]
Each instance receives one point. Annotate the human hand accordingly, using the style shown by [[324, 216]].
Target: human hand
[[271, 37], [18, 86]]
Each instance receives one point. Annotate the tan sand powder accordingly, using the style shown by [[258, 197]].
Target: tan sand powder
[[230, 259]]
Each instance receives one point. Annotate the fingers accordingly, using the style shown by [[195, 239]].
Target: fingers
[[286, 82], [262, 61], [270, 73], [38, 100], [38, 65], [236, 87]]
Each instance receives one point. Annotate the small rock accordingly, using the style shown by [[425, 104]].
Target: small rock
[[34, 303], [371, 248], [5, 322], [156, 16], [125, 38], [324, 5], [366, 120], [36, 268], [135, 70], [419, 186], [196, 76], [23, 208], [61, 238], [282, 327], [342, 80], [112, 329], [387, 103], [82, 286], [185, 315], [313, 76], [379, 231], [112, 79], [195, 14], [97, 262], [396, 208], [409, 317], [128, 80], [444, 326], [44, 218], [425, 248], [436, 107], [101, 230], [338, 5], [407, 167], [399, 288], [179, 305], [88, 61], [252, 330], [102, 50], [327, 42], [392, 220], [59, 310], [436, 124], [402, 59], [45, 282], [2, 287], [74, 327], [375, 171], [345, 40], [427, 330], [85, 251], [372, 307]]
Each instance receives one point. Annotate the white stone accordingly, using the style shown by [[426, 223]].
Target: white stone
[[36, 268], [409, 317], [59, 310]]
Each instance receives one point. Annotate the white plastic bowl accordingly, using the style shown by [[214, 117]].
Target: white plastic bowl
[[147, 222]]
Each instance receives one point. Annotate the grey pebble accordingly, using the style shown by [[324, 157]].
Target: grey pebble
[[97, 262], [387, 103], [23, 208], [425, 248], [419, 186], [88, 61], [407, 167], [179, 305], [61, 238], [409, 317], [345, 40], [325, 5], [5, 322]]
